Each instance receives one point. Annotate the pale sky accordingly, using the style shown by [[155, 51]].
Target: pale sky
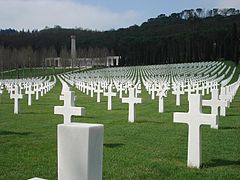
[[94, 14]]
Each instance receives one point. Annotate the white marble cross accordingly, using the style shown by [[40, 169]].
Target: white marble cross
[[152, 91], [37, 90], [42, 89], [131, 100], [16, 96], [29, 92], [189, 89], [161, 94], [120, 89], [110, 94], [224, 96], [194, 118], [68, 109], [178, 93], [91, 88], [215, 103], [98, 91]]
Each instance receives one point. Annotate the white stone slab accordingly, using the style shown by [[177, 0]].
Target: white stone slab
[[80, 151]]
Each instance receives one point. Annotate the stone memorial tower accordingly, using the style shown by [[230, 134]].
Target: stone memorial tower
[[73, 51]]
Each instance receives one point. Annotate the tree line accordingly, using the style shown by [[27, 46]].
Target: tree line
[[26, 57], [188, 36]]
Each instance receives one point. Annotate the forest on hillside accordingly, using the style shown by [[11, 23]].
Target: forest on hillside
[[188, 36]]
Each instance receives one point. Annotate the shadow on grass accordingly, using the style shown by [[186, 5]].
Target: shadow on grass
[[120, 109], [5, 133], [154, 122], [229, 128], [116, 145], [232, 115], [31, 113], [221, 162], [83, 117], [44, 104]]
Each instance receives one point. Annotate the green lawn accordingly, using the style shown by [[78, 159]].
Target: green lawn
[[151, 148], [34, 72]]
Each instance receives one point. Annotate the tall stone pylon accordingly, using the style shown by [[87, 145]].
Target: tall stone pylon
[[73, 50]]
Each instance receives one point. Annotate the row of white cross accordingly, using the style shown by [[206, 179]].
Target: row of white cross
[[197, 80], [194, 118], [30, 86]]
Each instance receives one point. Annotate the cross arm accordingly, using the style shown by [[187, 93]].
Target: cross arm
[[180, 117], [78, 111]]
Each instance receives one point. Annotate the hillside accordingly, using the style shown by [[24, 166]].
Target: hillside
[[180, 37]]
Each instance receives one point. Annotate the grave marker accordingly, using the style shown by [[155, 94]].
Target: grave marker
[[68, 109], [109, 94], [194, 118], [98, 91], [29, 92], [131, 100], [16, 96]]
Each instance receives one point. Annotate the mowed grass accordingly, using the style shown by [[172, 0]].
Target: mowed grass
[[151, 148], [34, 72]]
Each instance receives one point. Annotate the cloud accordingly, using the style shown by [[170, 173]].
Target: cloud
[[36, 14]]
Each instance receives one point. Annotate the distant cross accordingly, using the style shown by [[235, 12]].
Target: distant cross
[[178, 93], [37, 90], [215, 103], [208, 87], [45, 87], [161, 94], [88, 88], [91, 88], [120, 90], [197, 88], [41, 89], [137, 89], [98, 91], [11, 89], [152, 90], [131, 100], [194, 118], [110, 94], [189, 89], [29, 92], [203, 88], [229, 96], [68, 109], [223, 96], [16, 96]]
